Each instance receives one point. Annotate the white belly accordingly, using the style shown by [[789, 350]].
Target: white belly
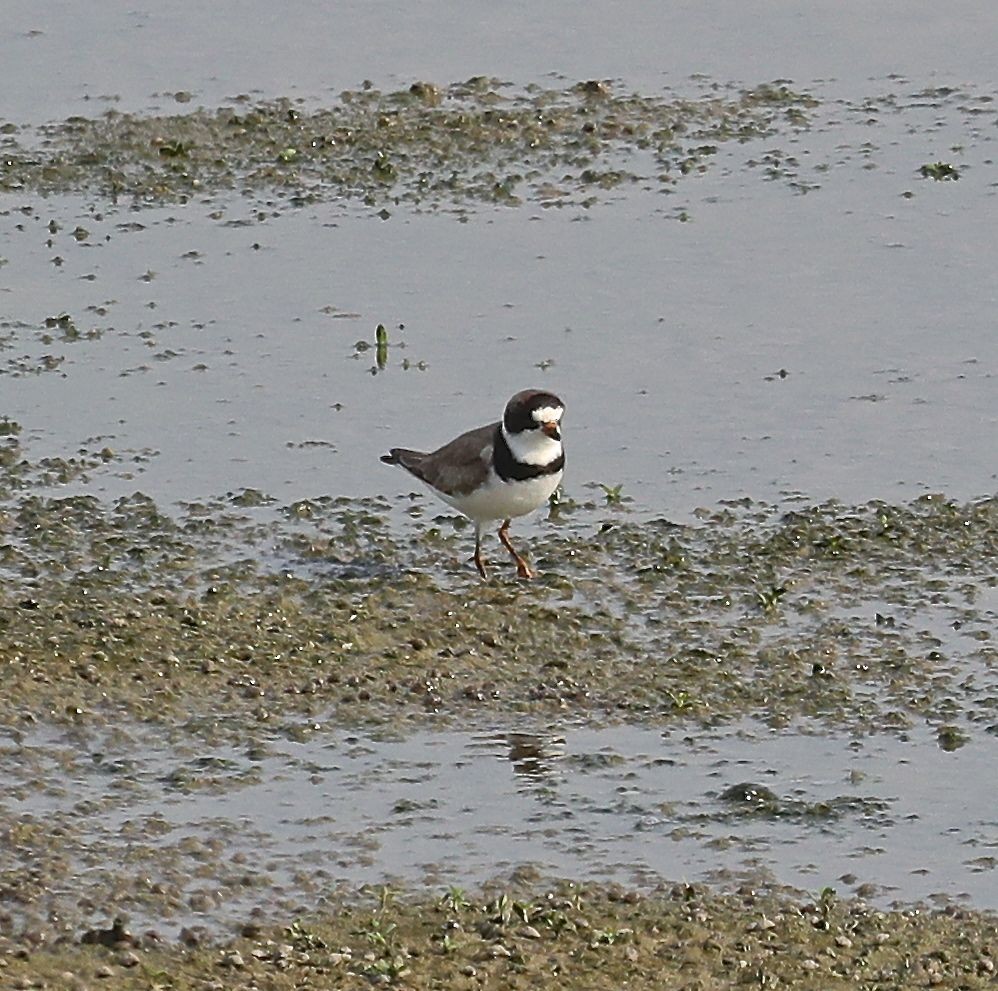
[[499, 500]]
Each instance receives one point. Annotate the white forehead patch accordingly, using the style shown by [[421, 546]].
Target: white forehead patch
[[547, 414]]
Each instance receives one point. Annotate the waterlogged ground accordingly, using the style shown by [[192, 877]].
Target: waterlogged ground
[[788, 287], [249, 679], [169, 677], [206, 833], [867, 618], [568, 935], [428, 146]]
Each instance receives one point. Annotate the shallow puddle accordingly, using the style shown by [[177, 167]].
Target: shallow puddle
[[796, 311], [171, 832]]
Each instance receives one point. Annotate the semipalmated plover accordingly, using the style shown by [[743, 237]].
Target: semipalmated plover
[[499, 471]]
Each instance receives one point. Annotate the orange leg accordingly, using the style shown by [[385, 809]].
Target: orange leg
[[522, 568], [479, 562]]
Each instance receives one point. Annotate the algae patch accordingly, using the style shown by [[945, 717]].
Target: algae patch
[[531, 933], [869, 617], [478, 141]]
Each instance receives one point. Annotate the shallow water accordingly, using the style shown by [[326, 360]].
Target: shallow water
[[100, 56], [834, 344], [809, 318], [273, 823]]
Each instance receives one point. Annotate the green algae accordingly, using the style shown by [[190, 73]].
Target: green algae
[[481, 140], [484, 142], [214, 618], [867, 617], [531, 934]]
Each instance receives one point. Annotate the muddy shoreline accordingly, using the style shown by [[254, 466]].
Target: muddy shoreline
[[859, 617], [202, 632], [571, 935]]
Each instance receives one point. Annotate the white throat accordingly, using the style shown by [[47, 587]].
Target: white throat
[[532, 447]]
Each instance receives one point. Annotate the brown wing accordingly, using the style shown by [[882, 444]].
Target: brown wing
[[457, 467]]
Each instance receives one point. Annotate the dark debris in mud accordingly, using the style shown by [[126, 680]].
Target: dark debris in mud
[[478, 141], [530, 935], [867, 617]]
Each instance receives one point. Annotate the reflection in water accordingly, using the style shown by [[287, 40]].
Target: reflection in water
[[231, 832], [531, 754]]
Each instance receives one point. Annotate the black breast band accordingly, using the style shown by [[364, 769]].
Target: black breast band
[[509, 469]]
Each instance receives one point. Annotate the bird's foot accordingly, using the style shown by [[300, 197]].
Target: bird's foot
[[522, 568]]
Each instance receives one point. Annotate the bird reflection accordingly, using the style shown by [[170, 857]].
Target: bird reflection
[[533, 754]]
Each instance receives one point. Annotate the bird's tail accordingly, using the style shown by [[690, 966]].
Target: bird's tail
[[404, 457]]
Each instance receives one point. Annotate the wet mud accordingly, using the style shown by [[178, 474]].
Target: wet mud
[[482, 140], [860, 617], [527, 935], [238, 619]]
